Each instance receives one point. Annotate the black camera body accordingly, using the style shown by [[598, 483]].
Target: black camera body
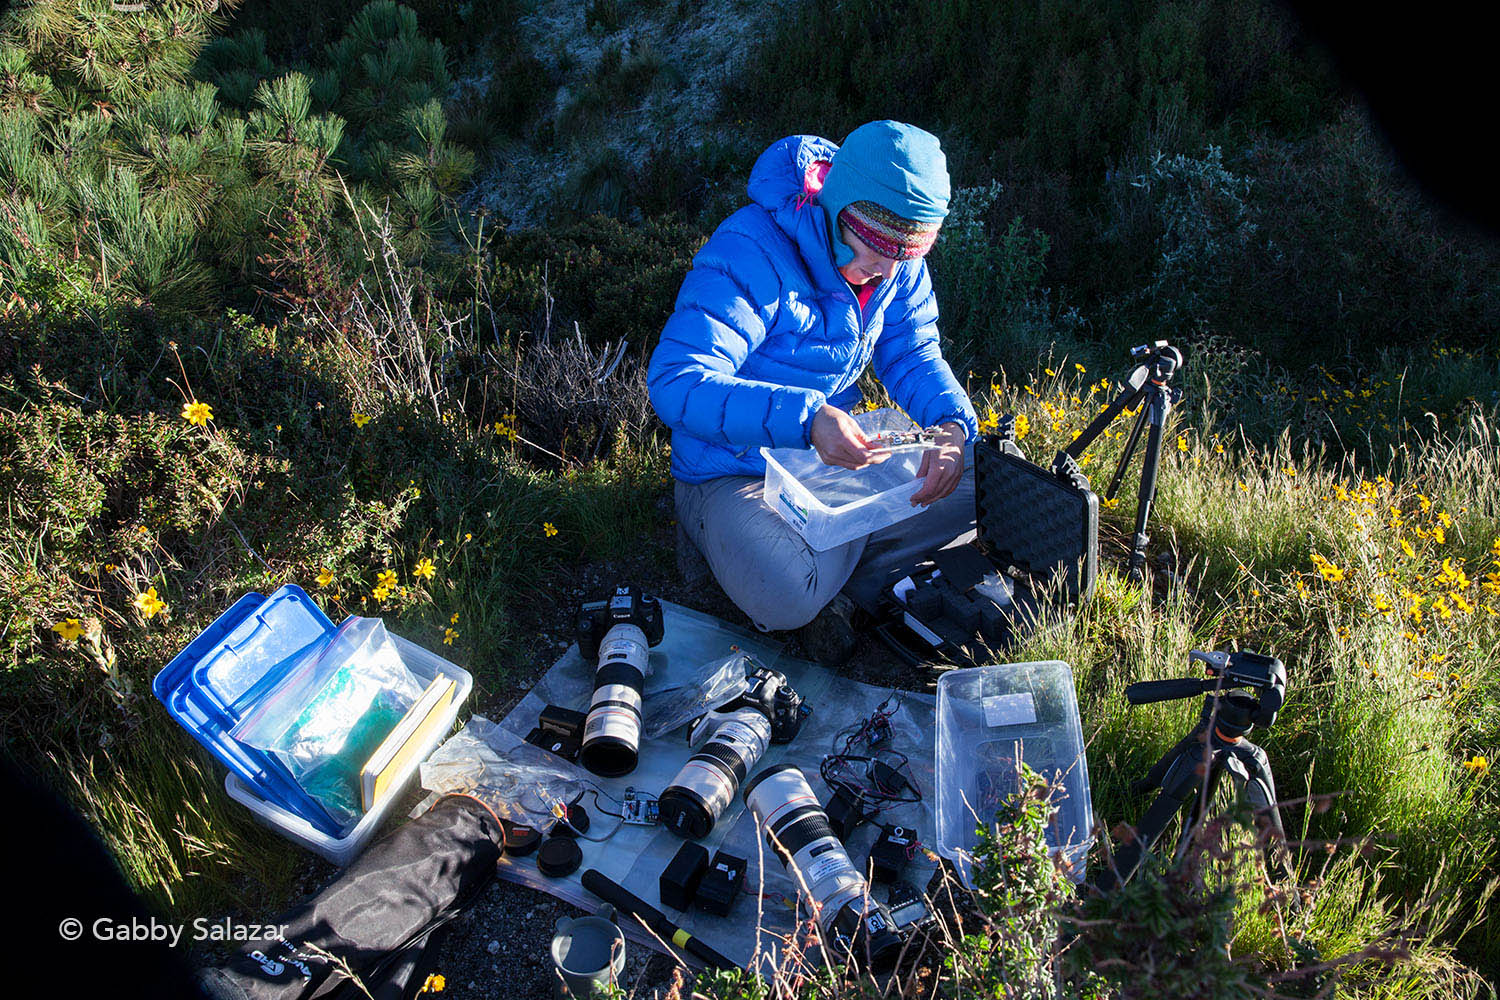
[[771, 695], [628, 606]]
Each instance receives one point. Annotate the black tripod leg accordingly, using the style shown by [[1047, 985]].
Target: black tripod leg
[[1260, 793], [1158, 407], [1147, 832], [1129, 393], [1125, 455], [1201, 802]]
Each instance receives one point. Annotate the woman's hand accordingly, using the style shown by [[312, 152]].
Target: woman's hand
[[942, 465], [839, 441]]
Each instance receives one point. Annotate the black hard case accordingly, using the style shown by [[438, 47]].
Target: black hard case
[[1038, 527]]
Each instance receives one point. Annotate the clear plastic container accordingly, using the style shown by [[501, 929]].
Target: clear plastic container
[[829, 505], [424, 665], [987, 717]]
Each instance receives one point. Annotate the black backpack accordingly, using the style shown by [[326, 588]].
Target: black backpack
[[382, 918]]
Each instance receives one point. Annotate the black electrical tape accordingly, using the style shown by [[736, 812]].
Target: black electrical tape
[[559, 857], [520, 840]]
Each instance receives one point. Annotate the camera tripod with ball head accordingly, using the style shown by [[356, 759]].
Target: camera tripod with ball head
[[1155, 365], [1189, 774]]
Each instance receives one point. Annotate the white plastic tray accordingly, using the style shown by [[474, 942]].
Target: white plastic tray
[[830, 506], [342, 850]]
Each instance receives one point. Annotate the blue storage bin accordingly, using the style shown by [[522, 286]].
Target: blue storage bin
[[207, 685]]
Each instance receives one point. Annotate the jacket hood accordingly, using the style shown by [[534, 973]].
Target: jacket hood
[[785, 181]]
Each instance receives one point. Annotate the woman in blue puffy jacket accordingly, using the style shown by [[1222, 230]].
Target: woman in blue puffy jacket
[[822, 274]]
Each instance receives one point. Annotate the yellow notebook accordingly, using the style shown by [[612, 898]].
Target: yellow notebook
[[396, 750]]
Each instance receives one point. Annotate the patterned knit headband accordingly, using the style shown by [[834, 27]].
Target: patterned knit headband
[[887, 233]]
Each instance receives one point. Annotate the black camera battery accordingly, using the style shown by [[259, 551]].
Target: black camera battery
[[566, 747], [721, 884], [890, 852], [560, 731], [682, 876], [845, 811]]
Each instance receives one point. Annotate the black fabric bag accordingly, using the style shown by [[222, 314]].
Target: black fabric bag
[[382, 918]]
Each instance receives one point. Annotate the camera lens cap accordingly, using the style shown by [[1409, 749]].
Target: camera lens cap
[[559, 857], [520, 840], [576, 823]]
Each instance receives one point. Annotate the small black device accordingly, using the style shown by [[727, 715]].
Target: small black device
[[682, 876], [845, 811], [559, 731], [618, 633], [1217, 741], [720, 885], [909, 910], [890, 853]]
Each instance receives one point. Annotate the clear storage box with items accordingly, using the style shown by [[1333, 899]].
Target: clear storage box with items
[[989, 719]]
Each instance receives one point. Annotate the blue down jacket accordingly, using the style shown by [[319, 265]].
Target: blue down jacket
[[766, 331]]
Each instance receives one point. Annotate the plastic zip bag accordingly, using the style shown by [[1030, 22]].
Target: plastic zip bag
[[331, 711], [520, 782], [716, 683]]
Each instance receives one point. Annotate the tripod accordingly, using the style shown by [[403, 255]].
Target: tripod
[[1155, 365], [1189, 773]]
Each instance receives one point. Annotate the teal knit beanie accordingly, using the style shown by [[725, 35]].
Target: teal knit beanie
[[898, 167]]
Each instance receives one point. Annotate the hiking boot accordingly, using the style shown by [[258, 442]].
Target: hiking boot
[[829, 639]]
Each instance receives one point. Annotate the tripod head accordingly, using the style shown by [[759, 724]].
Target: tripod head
[[1160, 359], [1234, 713]]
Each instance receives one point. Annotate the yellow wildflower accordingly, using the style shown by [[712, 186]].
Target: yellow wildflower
[[1406, 548], [325, 576], [1182, 444], [1023, 424], [69, 628], [359, 419], [148, 604], [453, 620], [1437, 534], [1477, 765], [381, 592], [434, 983], [386, 578], [549, 529], [449, 634], [424, 569], [196, 413]]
